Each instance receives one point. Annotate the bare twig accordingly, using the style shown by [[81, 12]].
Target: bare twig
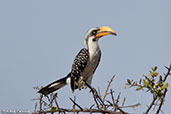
[[130, 106], [117, 100], [84, 110], [110, 92], [92, 106], [56, 103], [49, 100], [115, 106], [76, 104], [152, 103], [99, 93], [40, 102], [123, 101], [35, 107], [95, 96], [168, 72], [102, 106], [161, 102], [108, 87]]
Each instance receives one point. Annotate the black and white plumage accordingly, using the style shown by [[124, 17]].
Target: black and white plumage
[[84, 64]]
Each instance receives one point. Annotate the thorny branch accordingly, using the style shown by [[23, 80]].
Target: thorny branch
[[161, 98], [101, 104], [108, 87], [157, 88], [63, 110], [104, 106], [168, 72], [115, 105], [152, 103], [161, 103], [76, 104], [96, 97]]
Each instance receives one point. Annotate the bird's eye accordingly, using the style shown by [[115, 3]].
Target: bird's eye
[[94, 32]]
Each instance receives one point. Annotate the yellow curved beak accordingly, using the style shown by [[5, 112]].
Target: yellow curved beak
[[105, 31]]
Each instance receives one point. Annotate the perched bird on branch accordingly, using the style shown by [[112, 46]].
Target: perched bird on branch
[[85, 63]]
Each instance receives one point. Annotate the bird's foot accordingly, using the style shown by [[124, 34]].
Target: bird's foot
[[80, 84]]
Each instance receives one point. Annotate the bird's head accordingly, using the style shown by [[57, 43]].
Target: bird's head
[[94, 34]]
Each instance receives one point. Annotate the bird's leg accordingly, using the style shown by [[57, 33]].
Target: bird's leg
[[80, 83]]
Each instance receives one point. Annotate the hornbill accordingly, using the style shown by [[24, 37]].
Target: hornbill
[[85, 63]]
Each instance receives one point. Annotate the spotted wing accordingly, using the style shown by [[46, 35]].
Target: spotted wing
[[78, 66]]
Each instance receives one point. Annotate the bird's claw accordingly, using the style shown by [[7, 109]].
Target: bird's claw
[[80, 84]]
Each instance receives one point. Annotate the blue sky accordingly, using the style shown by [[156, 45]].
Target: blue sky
[[40, 39]]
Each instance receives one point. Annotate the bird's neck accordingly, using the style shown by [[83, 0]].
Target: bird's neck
[[93, 49]]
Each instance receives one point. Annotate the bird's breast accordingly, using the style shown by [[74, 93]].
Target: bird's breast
[[91, 65]]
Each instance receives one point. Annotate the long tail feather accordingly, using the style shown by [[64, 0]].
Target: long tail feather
[[54, 86]]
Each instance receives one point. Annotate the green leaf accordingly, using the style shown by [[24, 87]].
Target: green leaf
[[129, 82], [159, 89], [53, 109], [166, 85], [148, 76], [155, 68], [150, 86], [160, 78], [146, 84], [155, 93], [140, 81], [138, 88], [152, 91], [155, 85], [125, 86], [41, 87], [154, 74]]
